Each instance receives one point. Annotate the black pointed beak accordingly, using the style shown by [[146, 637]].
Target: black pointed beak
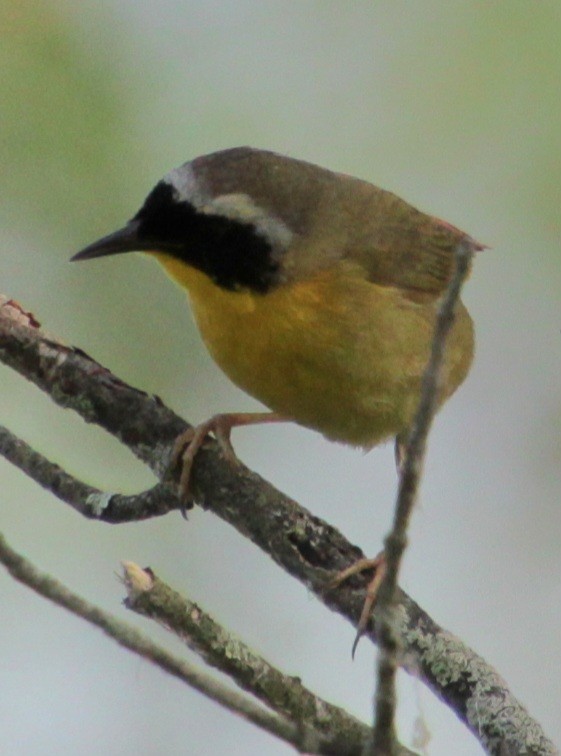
[[126, 239]]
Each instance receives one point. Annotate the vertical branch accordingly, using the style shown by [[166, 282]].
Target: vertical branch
[[384, 740]]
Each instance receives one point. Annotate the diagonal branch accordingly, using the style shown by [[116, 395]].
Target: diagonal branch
[[128, 637], [331, 731], [86, 500], [340, 733], [304, 545]]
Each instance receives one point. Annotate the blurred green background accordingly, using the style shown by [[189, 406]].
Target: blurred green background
[[453, 105]]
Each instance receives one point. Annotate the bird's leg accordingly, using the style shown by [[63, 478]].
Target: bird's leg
[[378, 564], [188, 444], [399, 450]]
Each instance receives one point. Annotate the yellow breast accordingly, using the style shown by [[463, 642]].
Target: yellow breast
[[334, 352]]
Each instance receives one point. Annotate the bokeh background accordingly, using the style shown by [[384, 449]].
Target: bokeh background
[[453, 105]]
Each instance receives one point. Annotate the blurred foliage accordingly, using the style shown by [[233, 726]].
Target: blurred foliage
[[487, 81], [65, 116]]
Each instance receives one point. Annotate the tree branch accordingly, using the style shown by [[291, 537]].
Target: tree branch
[[304, 545], [384, 740], [86, 500], [340, 733], [128, 637], [327, 730]]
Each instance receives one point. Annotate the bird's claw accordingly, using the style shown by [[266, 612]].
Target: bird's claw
[[378, 564], [189, 443]]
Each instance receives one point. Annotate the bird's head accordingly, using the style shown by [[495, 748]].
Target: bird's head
[[231, 214]]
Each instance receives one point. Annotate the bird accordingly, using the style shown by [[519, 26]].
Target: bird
[[315, 292]]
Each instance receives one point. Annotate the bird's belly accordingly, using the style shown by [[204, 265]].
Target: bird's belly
[[344, 357]]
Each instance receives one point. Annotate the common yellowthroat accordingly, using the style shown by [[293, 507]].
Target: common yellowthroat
[[314, 291]]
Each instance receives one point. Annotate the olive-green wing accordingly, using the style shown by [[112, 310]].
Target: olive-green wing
[[403, 247]]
